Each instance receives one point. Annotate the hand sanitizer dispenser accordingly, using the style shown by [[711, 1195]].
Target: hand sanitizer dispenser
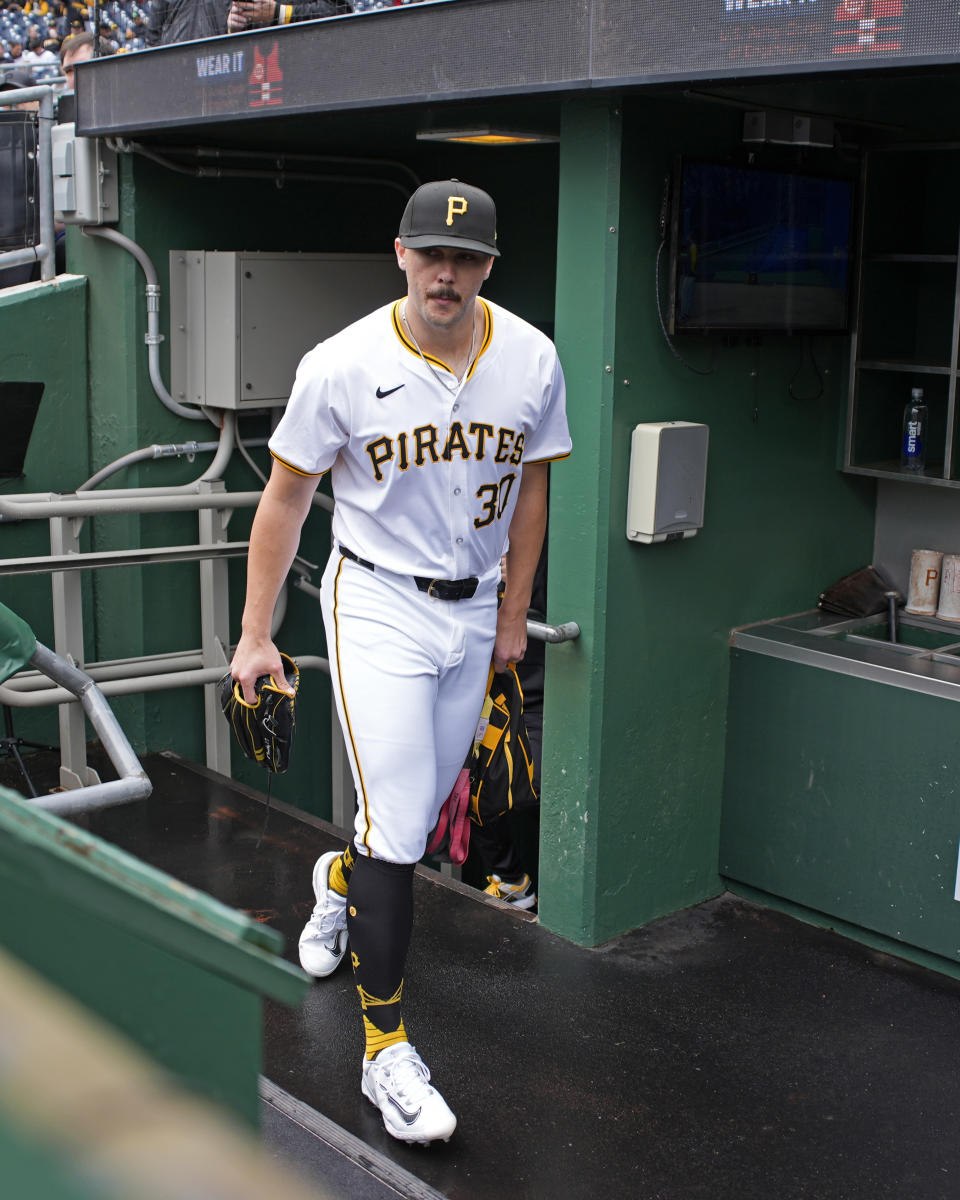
[[668, 476]]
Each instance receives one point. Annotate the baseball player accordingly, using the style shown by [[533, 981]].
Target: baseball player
[[437, 416]]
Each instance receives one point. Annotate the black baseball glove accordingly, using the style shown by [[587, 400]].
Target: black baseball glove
[[264, 730]]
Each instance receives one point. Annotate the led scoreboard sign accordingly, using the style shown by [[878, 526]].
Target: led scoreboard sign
[[758, 31], [553, 47]]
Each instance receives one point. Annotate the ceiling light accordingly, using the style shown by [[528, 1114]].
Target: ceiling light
[[485, 136]]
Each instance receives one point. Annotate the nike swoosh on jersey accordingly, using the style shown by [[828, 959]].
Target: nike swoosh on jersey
[[409, 1118], [389, 391]]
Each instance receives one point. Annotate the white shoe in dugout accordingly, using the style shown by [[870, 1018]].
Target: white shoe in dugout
[[324, 938], [398, 1082]]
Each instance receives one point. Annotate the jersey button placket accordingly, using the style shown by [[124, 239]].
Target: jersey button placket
[[459, 512]]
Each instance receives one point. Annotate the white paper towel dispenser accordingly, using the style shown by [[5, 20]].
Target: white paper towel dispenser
[[668, 477]]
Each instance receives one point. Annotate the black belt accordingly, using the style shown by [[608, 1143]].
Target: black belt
[[439, 589]]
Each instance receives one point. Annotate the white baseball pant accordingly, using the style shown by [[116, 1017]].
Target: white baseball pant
[[409, 673]]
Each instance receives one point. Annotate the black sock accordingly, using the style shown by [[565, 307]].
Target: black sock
[[379, 924]]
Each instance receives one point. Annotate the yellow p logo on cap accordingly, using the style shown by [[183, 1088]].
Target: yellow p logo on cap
[[456, 207]]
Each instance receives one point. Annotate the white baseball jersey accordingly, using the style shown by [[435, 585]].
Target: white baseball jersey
[[425, 478]]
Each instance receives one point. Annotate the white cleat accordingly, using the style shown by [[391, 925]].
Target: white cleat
[[398, 1083], [323, 942]]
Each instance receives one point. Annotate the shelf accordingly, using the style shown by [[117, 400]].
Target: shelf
[[911, 258], [902, 365], [893, 470], [907, 309]]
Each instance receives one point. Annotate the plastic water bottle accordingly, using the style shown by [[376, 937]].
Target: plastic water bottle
[[913, 445]]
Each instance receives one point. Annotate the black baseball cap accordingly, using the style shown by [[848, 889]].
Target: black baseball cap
[[15, 80], [450, 213]]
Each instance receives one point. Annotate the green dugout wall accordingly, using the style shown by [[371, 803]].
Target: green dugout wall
[[635, 710]]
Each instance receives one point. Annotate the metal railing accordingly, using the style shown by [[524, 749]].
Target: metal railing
[[146, 673], [133, 783]]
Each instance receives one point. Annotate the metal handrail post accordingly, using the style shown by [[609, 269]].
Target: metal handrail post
[[67, 599], [214, 629], [48, 235]]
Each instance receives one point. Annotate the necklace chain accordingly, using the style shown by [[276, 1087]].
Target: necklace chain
[[426, 362]]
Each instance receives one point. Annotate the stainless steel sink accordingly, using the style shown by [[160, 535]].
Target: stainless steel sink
[[925, 656], [914, 633]]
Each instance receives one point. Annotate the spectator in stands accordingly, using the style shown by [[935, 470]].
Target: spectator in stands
[[109, 35], [59, 21], [185, 20], [77, 48], [77, 17], [253, 14], [15, 52], [13, 81]]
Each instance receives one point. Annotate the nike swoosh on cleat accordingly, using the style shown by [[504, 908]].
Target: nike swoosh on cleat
[[409, 1118], [389, 391]]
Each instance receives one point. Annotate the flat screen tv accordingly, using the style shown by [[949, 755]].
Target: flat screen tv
[[759, 250]]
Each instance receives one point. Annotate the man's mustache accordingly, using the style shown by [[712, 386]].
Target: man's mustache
[[444, 294]]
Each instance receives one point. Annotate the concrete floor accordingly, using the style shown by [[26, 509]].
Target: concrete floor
[[728, 1051]]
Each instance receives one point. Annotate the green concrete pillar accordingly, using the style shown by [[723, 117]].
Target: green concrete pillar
[[117, 379], [587, 269]]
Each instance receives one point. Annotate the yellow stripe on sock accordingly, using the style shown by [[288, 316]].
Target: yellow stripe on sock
[[377, 1040], [338, 880], [368, 1001]]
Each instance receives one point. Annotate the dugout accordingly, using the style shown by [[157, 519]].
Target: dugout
[[648, 805]]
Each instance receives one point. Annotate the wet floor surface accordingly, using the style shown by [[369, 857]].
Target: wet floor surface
[[728, 1051]]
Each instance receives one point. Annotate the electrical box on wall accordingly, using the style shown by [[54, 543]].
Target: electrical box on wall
[[788, 129], [240, 321], [668, 478], [85, 188]]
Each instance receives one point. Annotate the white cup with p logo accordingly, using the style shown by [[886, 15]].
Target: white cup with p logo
[[924, 592], [949, 607]]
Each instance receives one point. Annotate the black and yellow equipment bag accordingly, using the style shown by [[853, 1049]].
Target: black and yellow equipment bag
[[501, 768]]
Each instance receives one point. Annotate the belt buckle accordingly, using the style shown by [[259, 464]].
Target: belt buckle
[[430, 592]]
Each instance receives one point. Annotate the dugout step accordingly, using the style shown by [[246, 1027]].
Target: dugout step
[[727, 1050]]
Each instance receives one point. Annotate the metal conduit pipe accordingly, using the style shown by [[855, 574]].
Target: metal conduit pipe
[[157, 450], [133, 783], [228, 433], [277, 159], [278, 175], [137, 684], [171, 450], [153, 336]]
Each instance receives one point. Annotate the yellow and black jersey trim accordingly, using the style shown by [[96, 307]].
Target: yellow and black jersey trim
[[297, 470], [438, 362], [531, 462]]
